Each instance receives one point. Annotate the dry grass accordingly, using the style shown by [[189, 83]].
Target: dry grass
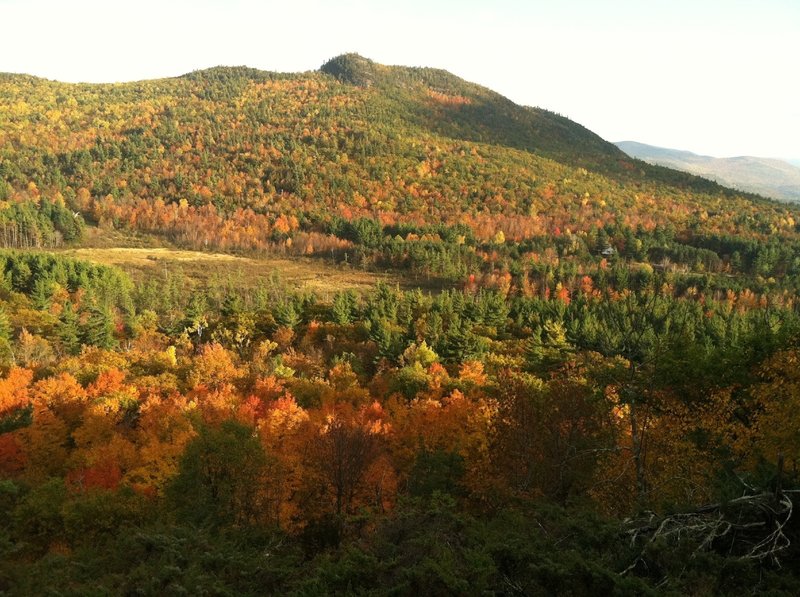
[[302, 273], [143, 256]]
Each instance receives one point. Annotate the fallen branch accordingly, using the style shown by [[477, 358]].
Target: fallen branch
[[752, 526]]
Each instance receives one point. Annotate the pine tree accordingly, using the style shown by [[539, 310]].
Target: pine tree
[[286, 314], [231, 305], [5, 326], [461, 344], [41, 293], [99, 329], [6, 349], [344, 304], [385, 338], [68, 330], [196, 320]]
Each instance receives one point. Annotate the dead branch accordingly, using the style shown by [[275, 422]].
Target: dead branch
[[751, 527]]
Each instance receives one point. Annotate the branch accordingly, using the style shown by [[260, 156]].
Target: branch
[[757, 521]]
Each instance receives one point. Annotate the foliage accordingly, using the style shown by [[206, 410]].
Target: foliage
[[584, 383]]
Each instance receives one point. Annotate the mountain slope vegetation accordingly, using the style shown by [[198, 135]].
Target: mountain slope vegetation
[[211, 157]]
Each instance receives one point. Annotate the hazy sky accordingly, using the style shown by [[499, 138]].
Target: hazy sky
[[711, 76]]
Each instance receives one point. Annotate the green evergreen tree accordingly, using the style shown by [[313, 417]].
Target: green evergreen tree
[[548, 347], [196, 319], [20, 274], [287, 314], [385, 336], [99, 329], [5, 325], [41, 293], [462, 344], [231, 305], [68, 329], [6, 349], [344, 306]]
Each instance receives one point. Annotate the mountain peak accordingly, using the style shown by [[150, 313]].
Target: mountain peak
[[352, 68]]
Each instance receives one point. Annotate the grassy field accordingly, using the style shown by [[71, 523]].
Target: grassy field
[[302, 273], [143, 256]]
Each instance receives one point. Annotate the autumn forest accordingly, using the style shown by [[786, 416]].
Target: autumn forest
[[533, 365]]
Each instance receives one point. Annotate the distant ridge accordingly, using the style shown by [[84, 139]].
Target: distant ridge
[[770, 177]]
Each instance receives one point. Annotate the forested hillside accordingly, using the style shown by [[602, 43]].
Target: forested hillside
[[587, 384]]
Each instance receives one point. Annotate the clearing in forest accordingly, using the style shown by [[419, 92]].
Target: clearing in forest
[[305, 274]]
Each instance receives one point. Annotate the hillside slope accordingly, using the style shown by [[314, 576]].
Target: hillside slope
[[236, 158], [765, 176], [482, 114]]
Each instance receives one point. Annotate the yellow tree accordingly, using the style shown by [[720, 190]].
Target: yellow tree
[[163, 429], [58, 405]]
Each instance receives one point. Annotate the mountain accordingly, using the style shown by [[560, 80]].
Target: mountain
[[238, 158], [481, 115], [769, 177]]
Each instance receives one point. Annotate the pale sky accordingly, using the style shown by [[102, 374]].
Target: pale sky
[[718, 77]]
